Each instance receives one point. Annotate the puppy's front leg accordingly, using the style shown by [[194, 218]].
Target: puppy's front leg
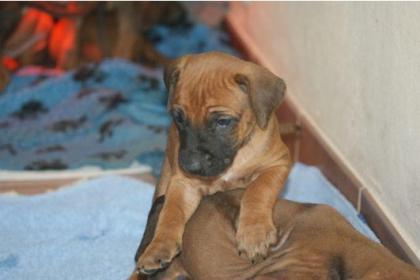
[[180, 203], [256, 231]]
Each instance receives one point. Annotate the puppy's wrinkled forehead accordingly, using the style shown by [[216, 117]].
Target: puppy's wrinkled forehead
[[206, 84], [214, 81]]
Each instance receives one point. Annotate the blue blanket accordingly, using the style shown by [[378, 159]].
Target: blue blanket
[[106, 115], [91, 230]]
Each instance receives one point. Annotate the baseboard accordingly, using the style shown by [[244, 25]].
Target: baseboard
[[34, 182], [310, 147]]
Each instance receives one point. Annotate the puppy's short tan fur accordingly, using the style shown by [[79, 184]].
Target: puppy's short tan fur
[[224, 136], [314, 242]]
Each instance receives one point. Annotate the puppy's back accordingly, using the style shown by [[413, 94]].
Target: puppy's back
[[314, 241]]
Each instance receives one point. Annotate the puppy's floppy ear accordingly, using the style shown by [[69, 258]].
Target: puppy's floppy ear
[[265, 91], [172, 72], [171, 75]]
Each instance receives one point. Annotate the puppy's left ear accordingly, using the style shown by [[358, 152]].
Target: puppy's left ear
[[171, 74], [265, 90]]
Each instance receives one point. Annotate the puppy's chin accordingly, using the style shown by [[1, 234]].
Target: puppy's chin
[[203, 168]]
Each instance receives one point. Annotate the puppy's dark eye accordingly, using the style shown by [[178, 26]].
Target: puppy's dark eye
[[224, 122], [178, 117]]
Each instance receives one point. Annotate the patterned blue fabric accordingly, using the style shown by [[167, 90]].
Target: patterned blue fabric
[[107, 115], [196, 38]]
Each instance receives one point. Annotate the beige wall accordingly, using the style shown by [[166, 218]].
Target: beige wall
[[354, 68]]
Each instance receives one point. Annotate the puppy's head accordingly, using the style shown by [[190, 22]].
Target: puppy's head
[[216, 101]]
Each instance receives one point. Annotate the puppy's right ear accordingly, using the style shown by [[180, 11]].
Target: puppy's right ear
[[171, 75], [172, 72]]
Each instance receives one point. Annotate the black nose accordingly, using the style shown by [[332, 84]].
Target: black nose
[[192, 165]]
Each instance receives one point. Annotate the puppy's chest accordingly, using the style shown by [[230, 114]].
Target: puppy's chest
[[232, 179], [238, 176]]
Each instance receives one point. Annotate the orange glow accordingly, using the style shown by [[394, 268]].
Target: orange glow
[[62, 41], [9, 63], [44, 23], [91, 51], [29, 37], [62, 44]]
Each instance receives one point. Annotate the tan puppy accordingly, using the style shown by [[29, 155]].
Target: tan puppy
[[224, 136], [315, 242]]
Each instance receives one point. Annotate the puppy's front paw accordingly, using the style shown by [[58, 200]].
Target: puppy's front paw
[[158, 255], [254, 239], [136, 276]]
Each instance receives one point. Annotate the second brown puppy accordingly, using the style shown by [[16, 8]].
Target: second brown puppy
[[223, 136], [315, 242]]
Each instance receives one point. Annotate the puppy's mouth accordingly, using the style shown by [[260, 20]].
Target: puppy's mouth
[[202, 164]]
